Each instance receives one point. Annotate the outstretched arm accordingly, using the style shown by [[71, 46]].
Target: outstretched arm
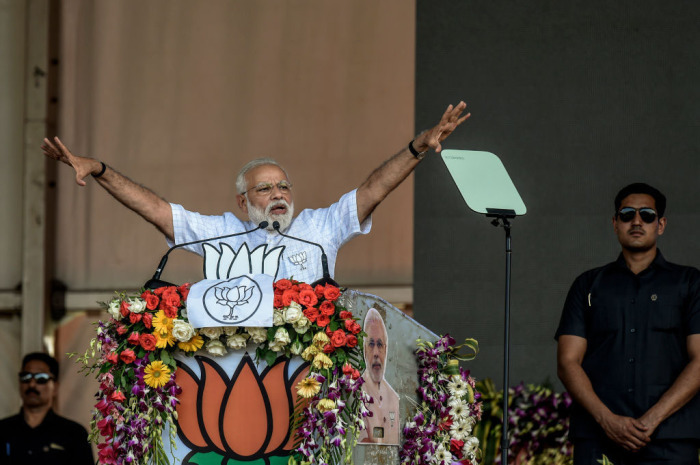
[[134, 196], [681, 391], [628, 432], [393, 171]]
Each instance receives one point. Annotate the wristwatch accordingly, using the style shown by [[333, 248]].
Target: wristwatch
[[416, 153]]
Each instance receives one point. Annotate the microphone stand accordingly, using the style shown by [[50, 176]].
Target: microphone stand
[[501, 218], [324, 259], [155, 282]]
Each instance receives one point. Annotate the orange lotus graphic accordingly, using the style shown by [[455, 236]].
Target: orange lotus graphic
[[242, 418]]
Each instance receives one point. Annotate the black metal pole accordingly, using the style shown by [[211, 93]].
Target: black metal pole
[[506, 346]]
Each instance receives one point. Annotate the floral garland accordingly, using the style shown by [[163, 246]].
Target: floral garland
[[440, 433], [538, 424], [133, 356]]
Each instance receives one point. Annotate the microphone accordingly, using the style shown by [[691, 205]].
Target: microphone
[[324, 259], [155, 282]]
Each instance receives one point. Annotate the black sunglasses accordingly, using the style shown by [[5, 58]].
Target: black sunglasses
[[627, 214], [40, 378]]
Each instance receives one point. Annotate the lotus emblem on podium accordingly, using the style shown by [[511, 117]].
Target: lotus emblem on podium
[[233, 301]]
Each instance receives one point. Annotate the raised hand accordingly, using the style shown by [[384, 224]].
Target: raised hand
[[83, 166], [432, 138]]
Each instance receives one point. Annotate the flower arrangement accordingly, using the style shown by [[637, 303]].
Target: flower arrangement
[[133, 356], [440, 433], [538, 424]]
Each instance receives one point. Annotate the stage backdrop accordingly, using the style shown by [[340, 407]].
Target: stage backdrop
[[578, 98]]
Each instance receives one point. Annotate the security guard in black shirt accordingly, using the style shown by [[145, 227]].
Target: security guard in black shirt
[[629, 347]]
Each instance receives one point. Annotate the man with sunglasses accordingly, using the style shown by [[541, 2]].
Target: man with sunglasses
[[36, 435], [629, 346], [265, 193]]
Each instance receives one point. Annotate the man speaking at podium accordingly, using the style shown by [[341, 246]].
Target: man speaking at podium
[[265, 193]]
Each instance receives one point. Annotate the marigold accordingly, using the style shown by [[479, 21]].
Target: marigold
[[164, 340], [156, 374], [308, 387], [322, 361], [325, 405], [193, 344], [162, 324]]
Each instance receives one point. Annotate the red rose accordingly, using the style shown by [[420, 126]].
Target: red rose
[[318, 290], [456, 447], [349, 324], [170, 312], [305, 287], [152, 301], [121, 329], [289, 296], [347, 369], [148, 320], [127, 356], [171, 299], [148, 341], [113, 358], [135, 318], [331, 292], [327, 308], [350, 341], [338, 338], [307, 298], [283, 284], [356, 328], [328, 331], [355, 374], [118, 396], [184, 290], [124, 308], [345, 315], [159, 291], [311, 314], [322, 320], [328, 349], [133, 338], [277, 301]]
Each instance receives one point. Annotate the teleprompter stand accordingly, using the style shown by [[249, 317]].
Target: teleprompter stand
[[487, 189]]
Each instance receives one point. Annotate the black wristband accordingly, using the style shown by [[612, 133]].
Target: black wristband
[[414, 152], [104, 168]]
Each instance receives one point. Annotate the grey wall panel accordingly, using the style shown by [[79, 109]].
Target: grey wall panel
[[578, 99]]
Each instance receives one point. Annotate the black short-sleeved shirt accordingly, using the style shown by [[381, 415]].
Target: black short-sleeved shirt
[[636, 328], [56, 441]]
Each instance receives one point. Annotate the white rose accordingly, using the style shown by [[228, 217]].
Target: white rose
[[137, 305], [230, 330], [297, 347], [302, 325], [211, 333], [113, 309], [216, 347], [277, 317], [282, 337], [293, 313], [237, 341], [182, 330], [275, 347], [257, 335]]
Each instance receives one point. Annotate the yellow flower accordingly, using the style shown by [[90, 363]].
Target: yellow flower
[[324, 405], [164, 340], [309, 353], [308, 387], [157, 374], [193, 344], [320, 340], [162, 324], [322, 361]]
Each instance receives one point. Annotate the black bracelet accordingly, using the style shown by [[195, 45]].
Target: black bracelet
[[104, 168], [416, 153]]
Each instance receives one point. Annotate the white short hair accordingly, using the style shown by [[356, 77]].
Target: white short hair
[[241, 184]]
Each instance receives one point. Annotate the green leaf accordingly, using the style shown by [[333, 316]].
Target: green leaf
[[271, 333], [270, 357]]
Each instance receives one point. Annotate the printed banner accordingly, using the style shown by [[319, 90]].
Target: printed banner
[[240, 301]]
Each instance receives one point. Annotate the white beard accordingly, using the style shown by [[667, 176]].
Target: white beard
[[258, 215]]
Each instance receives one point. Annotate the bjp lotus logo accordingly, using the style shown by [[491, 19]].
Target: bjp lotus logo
[[225, 263], [244, 418]]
